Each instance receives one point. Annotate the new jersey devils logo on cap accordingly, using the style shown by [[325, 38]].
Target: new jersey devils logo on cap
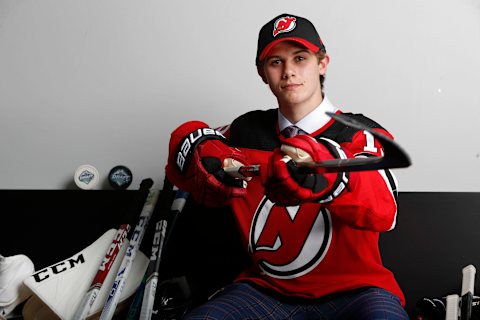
[[288, 242], [284, 24]]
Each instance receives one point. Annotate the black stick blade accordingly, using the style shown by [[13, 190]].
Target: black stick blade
[[393, 157]]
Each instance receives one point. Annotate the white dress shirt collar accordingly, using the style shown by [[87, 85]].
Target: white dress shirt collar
[[312, 121]]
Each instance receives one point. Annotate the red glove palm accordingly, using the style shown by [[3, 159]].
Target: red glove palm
[[286, 184], [197, 156]]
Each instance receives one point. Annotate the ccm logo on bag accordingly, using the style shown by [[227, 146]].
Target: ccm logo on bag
[[58, 268], [191, 141]]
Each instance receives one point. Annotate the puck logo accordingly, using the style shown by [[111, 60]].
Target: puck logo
[[86, 176], [120, 177], [289, 242], [191, 141], [284, 24]]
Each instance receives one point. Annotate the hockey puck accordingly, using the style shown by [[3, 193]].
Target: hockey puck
[[120, 177], [86, 177]]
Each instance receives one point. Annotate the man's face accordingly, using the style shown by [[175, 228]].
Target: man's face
[[293, 74]]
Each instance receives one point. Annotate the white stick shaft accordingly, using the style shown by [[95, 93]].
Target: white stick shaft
[[86, 304], [91, 295], [468, 279], [452, 307], [116, 245], [135, 241], [151, 284]]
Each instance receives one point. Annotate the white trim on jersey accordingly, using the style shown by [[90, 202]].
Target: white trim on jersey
[[392, 188]]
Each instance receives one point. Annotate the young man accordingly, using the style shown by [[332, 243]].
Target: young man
[[313, 238]]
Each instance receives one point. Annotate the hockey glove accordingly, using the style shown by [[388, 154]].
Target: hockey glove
[[197, 156], [288, 185]]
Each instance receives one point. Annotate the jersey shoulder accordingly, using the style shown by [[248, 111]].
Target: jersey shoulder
[[342, 133], [256, 129]]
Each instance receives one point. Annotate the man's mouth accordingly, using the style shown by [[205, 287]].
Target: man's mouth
[[290, 86]]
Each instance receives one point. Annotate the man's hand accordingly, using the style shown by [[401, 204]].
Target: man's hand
[[286, 184], [197, 156]]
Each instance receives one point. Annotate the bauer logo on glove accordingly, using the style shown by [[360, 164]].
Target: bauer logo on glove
[[196, 162], [191, 141]]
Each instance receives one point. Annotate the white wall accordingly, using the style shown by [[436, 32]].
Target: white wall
[[105, 82]]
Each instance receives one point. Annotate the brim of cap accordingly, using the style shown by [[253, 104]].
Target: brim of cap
[[305, 43]]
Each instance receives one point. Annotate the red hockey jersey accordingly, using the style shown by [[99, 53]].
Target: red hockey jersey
[[315, 249]]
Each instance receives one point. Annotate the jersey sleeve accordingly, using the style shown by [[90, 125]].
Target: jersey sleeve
[[370, 199]]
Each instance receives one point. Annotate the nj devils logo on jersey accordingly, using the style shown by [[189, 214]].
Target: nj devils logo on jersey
[[288, 242]]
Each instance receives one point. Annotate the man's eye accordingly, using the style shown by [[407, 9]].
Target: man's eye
[[300, 58], [275, 61]]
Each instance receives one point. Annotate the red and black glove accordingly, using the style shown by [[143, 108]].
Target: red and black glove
[[289, 185], [197, 156]]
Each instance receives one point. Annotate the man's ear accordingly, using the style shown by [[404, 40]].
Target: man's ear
[[261, 73], [322, 64]]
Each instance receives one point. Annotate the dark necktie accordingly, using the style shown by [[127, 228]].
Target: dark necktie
[[292, 131]]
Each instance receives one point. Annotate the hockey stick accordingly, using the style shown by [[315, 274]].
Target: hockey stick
[[163, 237], [394, 156], [466, 298], [163, 206], [460, 306], [451, 312], [63, 284], [91, 295], [124, 270]]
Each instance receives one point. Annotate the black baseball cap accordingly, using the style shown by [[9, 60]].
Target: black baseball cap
[[287, 27]]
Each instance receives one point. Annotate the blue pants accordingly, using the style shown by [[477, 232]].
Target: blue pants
[[244, 302]]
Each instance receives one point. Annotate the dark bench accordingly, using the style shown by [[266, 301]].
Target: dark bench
[[434, 239]]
